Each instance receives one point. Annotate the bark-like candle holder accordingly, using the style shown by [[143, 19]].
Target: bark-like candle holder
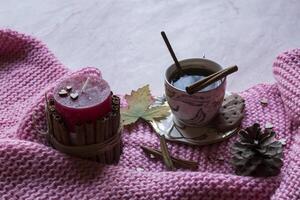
[[99, 140]]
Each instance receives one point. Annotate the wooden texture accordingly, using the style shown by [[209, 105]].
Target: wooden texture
[[100, 138], [101, 135]]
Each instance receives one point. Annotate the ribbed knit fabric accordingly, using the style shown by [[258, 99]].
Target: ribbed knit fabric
[[30, 169]]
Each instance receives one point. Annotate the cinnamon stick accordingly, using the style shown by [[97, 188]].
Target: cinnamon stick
[[89, 133], [48, 116], [51, 101], [90, 136], [107, 135], [179, 163], [55, 124], [199, 85], [49, 122], [116, 113], [100, 137], [60, 130], [55, 128], [179, 68], [165, 153], [79, 137], [64, 133], [116, 125], [115, 100]]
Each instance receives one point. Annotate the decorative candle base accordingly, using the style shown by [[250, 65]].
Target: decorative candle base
[[99, 140]]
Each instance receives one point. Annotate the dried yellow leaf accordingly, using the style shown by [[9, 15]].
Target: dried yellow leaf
[[139, 103]]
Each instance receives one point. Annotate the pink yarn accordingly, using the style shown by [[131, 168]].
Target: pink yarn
[[30, 169], [286, 64]]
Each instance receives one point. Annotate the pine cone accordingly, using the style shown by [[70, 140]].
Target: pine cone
[[257, 153]]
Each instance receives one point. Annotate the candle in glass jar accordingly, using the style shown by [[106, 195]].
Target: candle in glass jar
[[81, 99]]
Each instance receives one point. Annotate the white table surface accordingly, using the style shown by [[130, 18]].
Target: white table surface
[[122, 38]]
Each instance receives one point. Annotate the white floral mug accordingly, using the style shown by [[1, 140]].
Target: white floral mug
[[198, 109]]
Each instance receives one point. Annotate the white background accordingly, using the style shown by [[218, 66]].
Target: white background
[[122, 38]]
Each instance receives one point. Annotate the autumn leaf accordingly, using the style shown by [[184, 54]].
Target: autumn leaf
[[139, 106]]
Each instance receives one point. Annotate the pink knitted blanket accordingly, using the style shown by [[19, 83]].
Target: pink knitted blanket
[[30, 169]]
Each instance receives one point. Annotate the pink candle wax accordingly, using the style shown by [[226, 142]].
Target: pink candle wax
[[82, 99]]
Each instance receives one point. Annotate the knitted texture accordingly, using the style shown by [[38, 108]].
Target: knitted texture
[[289, 86], [31, 169]]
